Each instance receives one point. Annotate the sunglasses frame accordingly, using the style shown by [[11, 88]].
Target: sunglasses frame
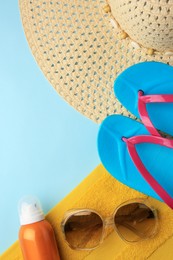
[[109, 221]]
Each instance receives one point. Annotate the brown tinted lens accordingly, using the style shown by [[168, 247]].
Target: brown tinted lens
[[83, 230], [135, 221]]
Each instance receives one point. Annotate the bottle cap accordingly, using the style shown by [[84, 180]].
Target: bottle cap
[[30, 210]]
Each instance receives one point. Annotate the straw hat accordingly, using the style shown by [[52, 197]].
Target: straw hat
[[81, 45]]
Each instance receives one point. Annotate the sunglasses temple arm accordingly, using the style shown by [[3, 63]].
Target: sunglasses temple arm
[[142, 215], [134, 230]]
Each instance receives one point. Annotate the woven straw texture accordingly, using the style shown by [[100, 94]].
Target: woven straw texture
[[80, 52], [148, 22]]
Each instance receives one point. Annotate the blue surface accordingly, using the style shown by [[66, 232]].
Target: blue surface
[[42, 150], [115, 157], [151, 78]]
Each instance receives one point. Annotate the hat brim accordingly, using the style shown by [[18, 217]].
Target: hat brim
[[80, 53]]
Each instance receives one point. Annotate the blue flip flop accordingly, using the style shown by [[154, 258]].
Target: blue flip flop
[[136, 158], [146, 90]]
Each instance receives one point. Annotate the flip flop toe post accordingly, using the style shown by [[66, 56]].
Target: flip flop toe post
[[146, 90], [136, 158]]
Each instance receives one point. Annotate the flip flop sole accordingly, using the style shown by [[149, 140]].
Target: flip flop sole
[[151, 78], [116, 159]]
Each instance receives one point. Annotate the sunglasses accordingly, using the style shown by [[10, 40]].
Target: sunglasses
[[85, 229]]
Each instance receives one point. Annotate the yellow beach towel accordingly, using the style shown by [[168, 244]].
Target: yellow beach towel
[[100, 191]]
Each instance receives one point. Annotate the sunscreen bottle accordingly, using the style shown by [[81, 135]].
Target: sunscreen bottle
[[36, 235]]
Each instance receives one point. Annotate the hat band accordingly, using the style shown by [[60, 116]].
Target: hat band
[[123, 35]]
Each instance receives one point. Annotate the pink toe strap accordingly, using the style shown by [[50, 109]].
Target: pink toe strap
[[131, 142], [142, 102]]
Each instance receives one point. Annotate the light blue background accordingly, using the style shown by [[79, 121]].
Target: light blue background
[[46, 147]]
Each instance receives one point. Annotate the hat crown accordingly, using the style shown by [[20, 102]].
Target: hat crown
[[148, 22]]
